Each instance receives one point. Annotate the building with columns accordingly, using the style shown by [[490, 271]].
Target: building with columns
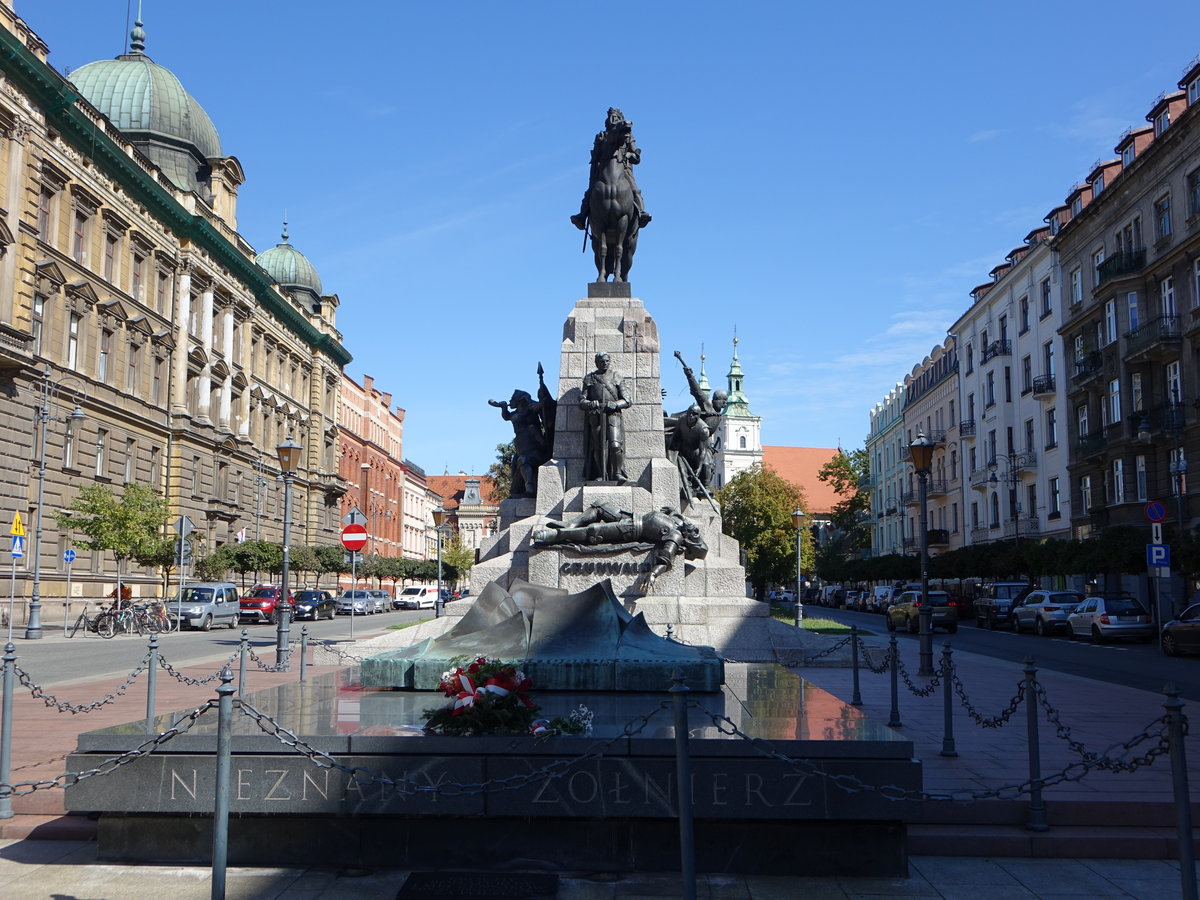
[[126, 287]]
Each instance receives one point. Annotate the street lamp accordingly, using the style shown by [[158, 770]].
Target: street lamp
[[798, 521], [440, 527], [45, 412], [289, 459], [1013, 464], [895, 509], [922, 458]]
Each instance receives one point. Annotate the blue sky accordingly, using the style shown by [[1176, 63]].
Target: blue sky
[[830, 180]]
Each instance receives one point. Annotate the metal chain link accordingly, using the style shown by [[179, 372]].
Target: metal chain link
[[1075, 771], [865, 655], [330, 647], [827, 651], [184, 679], [987, 721], [365, 777], [73, 708], [258, 661], [181, 726], [920, 692]]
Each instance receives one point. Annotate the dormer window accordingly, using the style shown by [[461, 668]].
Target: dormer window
[[1097, 186], [1077, 204], [1127, 155], [1162, 122], [1194, 91]]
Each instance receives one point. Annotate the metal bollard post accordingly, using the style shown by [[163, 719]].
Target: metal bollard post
[[856, 697], [303, 651], [1179, 786], [151, 683], [683, 775], [948, 748], [245, 649], [894, 653], [6, 705], [220, 844], [1037, 807]]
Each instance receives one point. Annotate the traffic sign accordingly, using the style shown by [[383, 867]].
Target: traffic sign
[[354, 537], [68, 556], [183, 550], [18, 530], [1156, 533], [184, 526], [1158, 555], [355, 517], [18, 546], [1155, 511], [352, 557]]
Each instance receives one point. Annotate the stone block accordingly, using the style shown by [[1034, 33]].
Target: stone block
[[543, 567], [551, 484], [609, 289]]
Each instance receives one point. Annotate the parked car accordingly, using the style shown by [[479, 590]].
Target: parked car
[[855, 600], [1104, 618], [879, 599], [315, 604], [355, 603], [205, 604], [1044, 611], [383, 600], [781, 596], [414, 597], [994, 605], [1182, 634], [261, 604], [905, 613]]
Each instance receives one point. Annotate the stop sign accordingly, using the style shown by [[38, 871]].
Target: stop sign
[[354, 537]]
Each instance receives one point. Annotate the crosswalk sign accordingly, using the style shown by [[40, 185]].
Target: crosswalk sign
[[18, 546], [18, 530]]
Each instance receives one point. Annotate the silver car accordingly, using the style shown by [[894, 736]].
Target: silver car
[[356, 603], [1104, 618], [205, 604], [1045, 611], [383, 600]]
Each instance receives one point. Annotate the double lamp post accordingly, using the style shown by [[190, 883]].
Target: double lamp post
[[922, 458], [289, 460]]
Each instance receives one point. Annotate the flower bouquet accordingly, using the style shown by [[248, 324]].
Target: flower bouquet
[[489, 696]]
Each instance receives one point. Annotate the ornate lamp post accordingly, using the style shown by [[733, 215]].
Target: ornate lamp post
[[289, 459], [1013, 464], [440, 527], [922, 458], [798, 522], [48, 410]]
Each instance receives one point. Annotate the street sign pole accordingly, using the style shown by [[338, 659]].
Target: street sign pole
[[68, 558]]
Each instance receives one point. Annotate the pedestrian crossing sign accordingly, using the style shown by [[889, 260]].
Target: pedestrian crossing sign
[[18, 530], [18, 546]]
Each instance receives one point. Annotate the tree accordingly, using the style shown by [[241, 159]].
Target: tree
[[457, 559], [845, 473], [301, 558], [501, 472], [328, 558], [128, 527], [255, 556], [217, 565], [757, 506]]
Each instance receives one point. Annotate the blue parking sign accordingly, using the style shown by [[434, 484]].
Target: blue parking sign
[[1158, 555]]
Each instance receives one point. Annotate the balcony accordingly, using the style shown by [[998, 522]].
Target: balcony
[[1087, 367], [1168, 418], [909, 498], [1163, 335], [997, 348], [1043, 386], [331, 483], [979, 478], [1023, 527], [938, 435], [1125, 263], [938, 537], [980, 534], [966, 428], [909, 543], [937, 487], [1092, 443]]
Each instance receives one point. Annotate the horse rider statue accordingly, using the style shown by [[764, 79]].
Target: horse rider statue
[[628, 155]]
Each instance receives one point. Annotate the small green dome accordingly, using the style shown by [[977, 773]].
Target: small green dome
[[149, 104], [289, 267]]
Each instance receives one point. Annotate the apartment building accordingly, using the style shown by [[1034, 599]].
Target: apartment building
[[931, 407], [885, 453]]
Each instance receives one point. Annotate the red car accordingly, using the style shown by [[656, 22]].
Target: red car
[[260, 605]]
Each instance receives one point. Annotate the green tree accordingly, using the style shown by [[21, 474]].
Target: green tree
[[457, 559], [129, 526], [256, 557], [300, 559], [501, 472], [328, 558], [846, 473], [217, 565], [757, 506]]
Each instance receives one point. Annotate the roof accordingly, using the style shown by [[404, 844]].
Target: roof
[[289, 267], [800, 466], [450, 488]]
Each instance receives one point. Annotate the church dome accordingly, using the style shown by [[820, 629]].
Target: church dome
[[289, 267], [150, 105]]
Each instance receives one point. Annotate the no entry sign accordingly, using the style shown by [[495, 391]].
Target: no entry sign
[[354, 537]]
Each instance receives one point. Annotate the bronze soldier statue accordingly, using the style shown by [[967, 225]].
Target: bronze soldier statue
[[602, 403], [533, 434]]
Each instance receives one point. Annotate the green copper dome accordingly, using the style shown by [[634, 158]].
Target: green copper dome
[[289, 267], [148, 103]]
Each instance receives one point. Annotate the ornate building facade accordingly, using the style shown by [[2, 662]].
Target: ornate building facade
[[126, 288]]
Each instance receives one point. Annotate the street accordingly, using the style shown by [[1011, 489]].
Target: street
[[58, 660], [1134, 665]]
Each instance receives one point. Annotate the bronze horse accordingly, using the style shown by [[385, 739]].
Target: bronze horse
[[611, 209]]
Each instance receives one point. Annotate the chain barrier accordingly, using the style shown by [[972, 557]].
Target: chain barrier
[[1075, 771], [982, 721], [365, 777], [330, 647], [865, 656], [62, 706], [261, 663], [919, 692], [181, 726], [827, 651], [194, 682]]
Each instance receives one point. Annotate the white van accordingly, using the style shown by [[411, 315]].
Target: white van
[[416, 598]]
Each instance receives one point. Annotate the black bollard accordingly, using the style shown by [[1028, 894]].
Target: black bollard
[[1037, 807], [220, 845], [683, 775], [894, 656], [303, 651], [856, 697], [947, 703], [6, 707], [243, 652], [151, 683], [1179, 787]]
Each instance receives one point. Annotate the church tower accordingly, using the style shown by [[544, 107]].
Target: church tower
[[740, 444]]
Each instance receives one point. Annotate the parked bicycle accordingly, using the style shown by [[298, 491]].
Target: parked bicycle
[[85, 622]]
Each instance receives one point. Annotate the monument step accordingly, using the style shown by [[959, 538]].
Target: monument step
[[1059, 842]]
